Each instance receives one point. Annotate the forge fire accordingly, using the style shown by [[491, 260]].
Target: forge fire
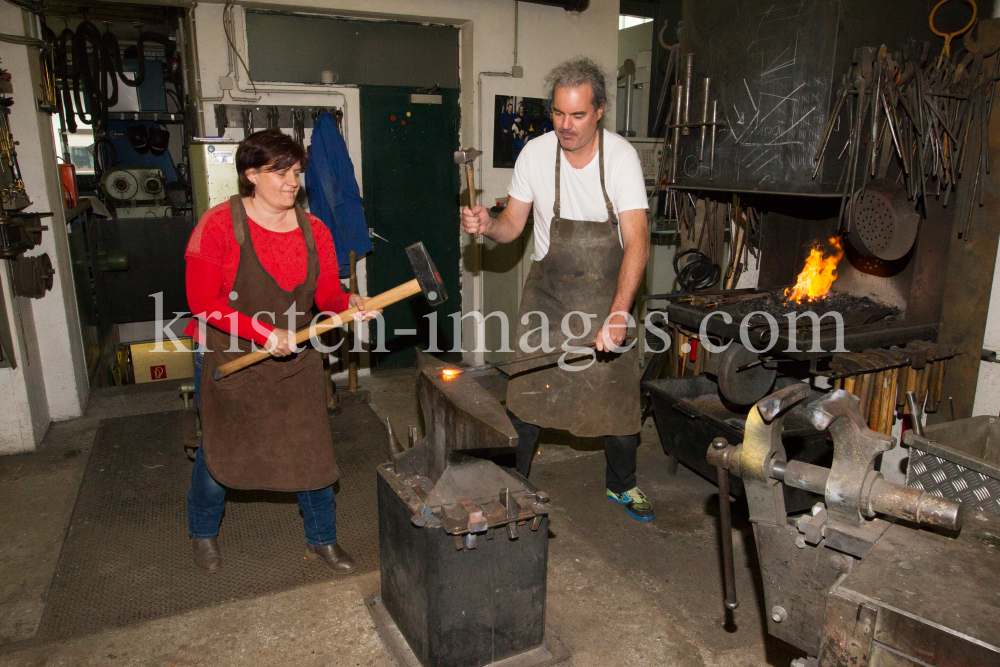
[[817, 275]]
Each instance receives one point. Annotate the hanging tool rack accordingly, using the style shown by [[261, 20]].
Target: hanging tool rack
[[262, 116]]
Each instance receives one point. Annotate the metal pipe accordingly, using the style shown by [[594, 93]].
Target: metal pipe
[[726, 521], [799, 475], [675, 148], [688, 73], [629, 89], [910, 504]]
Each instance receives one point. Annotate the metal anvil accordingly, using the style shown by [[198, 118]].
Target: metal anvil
[[466, 495], [458, 591]]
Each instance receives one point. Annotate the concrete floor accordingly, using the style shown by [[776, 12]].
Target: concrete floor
[[620, 592]]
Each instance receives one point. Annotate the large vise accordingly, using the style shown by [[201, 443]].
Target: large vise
[[856, 581]]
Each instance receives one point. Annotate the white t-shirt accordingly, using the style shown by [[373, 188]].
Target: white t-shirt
[[535, 181]]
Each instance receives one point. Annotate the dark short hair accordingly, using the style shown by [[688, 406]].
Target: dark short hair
[[270, 148], [578, 72]]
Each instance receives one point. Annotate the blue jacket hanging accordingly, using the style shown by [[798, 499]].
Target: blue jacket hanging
[[334, 195]]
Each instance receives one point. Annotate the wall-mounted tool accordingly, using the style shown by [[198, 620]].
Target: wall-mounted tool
[[883, 222], [32, 276], [627, 72]]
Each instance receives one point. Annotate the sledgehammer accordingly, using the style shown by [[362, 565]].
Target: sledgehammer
[[428, 281]]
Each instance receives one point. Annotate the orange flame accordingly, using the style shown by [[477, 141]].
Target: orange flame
[[818, 274], [450, 373]]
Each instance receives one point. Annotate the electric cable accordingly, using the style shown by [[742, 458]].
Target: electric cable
[[64, 84], [700, 272], [228, 11]]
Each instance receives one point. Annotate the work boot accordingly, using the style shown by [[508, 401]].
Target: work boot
[[334, 556], [635, 503], [206, 553]]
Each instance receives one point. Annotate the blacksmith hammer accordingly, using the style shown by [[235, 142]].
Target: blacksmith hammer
[[467, 156], [427, 280]]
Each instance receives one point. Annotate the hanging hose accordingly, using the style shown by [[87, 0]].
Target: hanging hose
[[64, 78], [96, 73], [700, 272]]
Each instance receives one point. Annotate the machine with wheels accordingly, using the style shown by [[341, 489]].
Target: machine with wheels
[[137, 192], [857, 581]]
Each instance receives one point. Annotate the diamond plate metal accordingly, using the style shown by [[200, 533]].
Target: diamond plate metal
[[941, 477], [127, 557]]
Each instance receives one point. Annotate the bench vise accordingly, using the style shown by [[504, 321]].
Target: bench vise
[[856, 581]]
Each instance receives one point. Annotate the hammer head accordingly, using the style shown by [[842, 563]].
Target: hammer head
[[427, 274], [466, 155]]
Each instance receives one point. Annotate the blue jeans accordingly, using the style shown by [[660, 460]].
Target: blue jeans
[[207, 498]]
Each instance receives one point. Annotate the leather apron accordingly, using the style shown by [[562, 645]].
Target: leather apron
[[579, 273], [266, 426]]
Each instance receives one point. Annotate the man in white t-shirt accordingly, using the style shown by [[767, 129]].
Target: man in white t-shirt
[[586, 189]]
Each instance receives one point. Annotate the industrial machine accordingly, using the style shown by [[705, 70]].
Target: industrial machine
[[19, 231], [137, 192], [213, 172], [463, 542], [845, 582]]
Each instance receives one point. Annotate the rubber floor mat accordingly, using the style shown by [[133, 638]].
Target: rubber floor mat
[[127, 557]]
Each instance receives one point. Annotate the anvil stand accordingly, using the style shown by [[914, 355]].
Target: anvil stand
[[463, 543]]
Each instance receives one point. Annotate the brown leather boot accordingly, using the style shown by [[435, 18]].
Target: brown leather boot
[[334, 556], [206, 553]]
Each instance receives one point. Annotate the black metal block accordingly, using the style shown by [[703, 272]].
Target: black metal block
[[461, 607]]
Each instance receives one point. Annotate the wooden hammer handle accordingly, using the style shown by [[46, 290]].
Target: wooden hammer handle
[[472, 188], [378, 302]]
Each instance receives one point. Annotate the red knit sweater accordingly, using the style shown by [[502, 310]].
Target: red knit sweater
[[213, 257]]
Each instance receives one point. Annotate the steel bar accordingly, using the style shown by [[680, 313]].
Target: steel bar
[[711, 159], [706, 82], [726, 527]]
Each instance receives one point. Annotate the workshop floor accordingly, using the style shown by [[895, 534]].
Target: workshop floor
[[620, 592]]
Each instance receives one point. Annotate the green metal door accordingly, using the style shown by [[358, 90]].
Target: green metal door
[[411, 186]]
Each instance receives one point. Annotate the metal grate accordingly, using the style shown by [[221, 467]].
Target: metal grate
[[127, 557], [941, 477]]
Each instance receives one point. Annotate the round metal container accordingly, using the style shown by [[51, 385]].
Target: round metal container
[[884, 222]]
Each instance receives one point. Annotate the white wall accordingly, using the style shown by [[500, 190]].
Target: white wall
[[547, 36], [988, 388], [50, 382]]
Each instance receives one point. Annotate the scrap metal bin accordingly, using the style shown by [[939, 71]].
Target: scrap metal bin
[[690, 414], [958, 460]]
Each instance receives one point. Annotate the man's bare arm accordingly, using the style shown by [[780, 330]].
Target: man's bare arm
[[635, 239], [504, 228]]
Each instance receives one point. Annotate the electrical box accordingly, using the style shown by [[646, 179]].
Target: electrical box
[[650, 151], [213, 173]]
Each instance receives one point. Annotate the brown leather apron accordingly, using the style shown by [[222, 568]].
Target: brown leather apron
[[266, 426], [579, 273]]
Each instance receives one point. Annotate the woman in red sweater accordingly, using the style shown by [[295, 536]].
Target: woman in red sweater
[[255, 267]]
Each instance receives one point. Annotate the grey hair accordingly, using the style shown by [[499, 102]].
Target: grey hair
[[577, 72]]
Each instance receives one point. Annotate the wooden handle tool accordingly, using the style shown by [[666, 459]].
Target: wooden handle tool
[[384, 299]]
